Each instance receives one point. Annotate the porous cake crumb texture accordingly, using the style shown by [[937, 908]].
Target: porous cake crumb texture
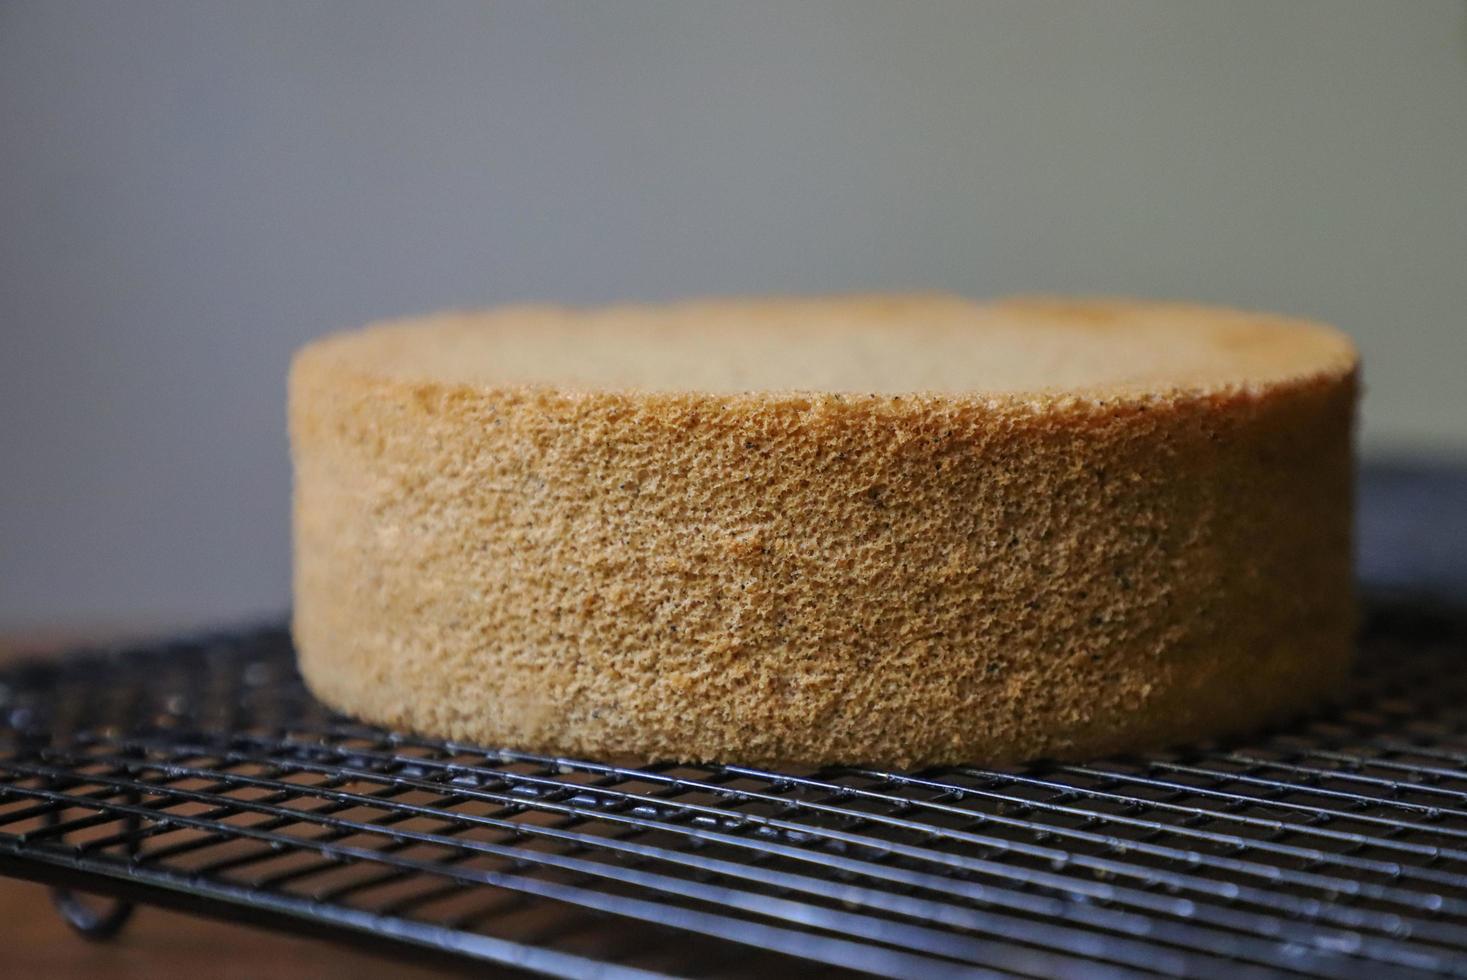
[[634, 533]]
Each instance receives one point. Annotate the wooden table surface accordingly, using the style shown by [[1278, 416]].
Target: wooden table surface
[[158, 944], [36, 942]]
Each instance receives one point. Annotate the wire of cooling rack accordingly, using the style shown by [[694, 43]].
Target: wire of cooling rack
[[200, 774]]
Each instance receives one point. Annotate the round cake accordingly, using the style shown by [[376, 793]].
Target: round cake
[[885, 530]]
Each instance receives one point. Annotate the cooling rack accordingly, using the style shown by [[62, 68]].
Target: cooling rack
[[201, 775]]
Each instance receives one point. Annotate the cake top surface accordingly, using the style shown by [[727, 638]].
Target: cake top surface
[[885, 345]]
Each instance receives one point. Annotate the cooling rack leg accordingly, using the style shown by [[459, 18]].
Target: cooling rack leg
[[96, 918], [95, 922]]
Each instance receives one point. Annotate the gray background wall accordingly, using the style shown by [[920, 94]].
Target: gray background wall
[[188, 191]]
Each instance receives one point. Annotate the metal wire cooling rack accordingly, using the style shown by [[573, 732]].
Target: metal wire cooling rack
[[201, 775]]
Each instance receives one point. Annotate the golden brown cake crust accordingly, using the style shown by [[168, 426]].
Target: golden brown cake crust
[[776, 576]]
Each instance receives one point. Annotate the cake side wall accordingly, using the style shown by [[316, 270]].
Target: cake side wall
[[823, 579]]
